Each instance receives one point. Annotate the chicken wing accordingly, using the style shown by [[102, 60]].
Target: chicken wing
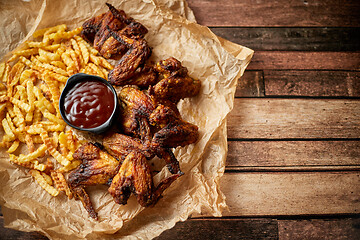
[[136, 110], [121, 145], [97, 31], [134, 176], [97, 167], [173, 131], [176, 83]]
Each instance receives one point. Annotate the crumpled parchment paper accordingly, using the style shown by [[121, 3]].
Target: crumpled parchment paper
[[172, 32]]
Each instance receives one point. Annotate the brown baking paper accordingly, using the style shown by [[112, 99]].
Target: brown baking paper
[[172, 32]]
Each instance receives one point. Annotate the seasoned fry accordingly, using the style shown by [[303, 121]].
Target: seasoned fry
[[52, 150], [43, 183], [60, 183]]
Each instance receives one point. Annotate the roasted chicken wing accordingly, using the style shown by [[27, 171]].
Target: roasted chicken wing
[[173, 131], [134, 176], [97, 167], [176, 83], [97, 31]]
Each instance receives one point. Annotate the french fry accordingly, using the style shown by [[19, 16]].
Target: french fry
[[84, 50], [73, 164], [5, 73], [51, 149], [42, 182], [47, 178], [7, 129], [27, 52], [61, 184], [29, 143], [39, 152], [13, 146], [2, 69], [65, 35], [42, 103], [101, 61], [41, 32]]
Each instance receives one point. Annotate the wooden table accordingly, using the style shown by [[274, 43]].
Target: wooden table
[[293, 167]]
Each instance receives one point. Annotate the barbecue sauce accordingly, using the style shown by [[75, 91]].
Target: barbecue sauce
[[89, 104]]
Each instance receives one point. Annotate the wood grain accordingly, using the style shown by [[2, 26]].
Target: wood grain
[[343, 228], [223, 229], [294, 154], [311, 83], [247, 13], [303, 193], [272, 118], [292, 38], [296, 60], [251, 84]]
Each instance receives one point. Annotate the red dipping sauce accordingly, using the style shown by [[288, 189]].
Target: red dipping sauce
[[89, 104]]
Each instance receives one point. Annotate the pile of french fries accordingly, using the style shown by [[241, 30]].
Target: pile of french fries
[[35, 135]]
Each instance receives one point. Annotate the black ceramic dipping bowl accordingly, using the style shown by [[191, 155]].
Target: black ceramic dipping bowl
[[73, 82]]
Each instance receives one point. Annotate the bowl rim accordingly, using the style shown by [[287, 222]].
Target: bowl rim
[[70, 83]]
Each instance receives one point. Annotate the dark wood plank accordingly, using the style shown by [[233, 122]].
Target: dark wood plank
[[296, 60], [223, 229], [346, 228], [273, 118], [251, 84], [292, 39], [293, 155], [11, 234], [312, 83], [248, 13]]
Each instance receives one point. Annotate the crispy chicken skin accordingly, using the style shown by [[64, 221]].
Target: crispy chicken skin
[[176, 83], [173, 131], [134, 176], [132, 62], [97, 167], [136, 109], [121, 145], [96, 31]]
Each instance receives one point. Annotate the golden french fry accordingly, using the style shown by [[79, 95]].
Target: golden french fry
[[39, 152], [60, 183], [51, 48], [84, 50], [96, 69], [6, 73], [41, 32], [24, 106], [7, 129], [52, 150], [74, 164], [2, 69], [58, 64], [27, 52], [13, 146], [101, 61], [65, 35], [49, 55], [42, 182], [29, 143], [42, 103], [47, 178]]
